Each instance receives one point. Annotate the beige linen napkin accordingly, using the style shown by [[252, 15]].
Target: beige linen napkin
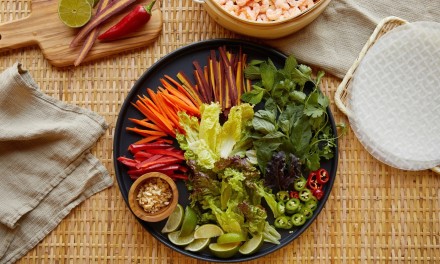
[[333, 41], [47, 167]]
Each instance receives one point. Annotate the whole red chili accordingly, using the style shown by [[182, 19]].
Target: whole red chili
[[138, 17], [322, 176]]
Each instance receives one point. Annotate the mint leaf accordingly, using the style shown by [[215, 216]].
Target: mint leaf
[[254, 96], [290, 64], [264, 122], [267, 75]]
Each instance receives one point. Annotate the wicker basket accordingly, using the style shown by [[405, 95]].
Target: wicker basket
[[343, 91]]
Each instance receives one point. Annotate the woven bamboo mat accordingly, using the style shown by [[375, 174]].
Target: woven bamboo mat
[[375, 214]]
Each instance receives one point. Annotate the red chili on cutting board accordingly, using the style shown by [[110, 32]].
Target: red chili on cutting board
[[134, 20]]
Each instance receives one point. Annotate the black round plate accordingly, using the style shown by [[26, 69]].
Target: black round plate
[[181, 60]]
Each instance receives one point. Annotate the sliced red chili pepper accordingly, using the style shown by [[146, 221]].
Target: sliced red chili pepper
[[168, 152], [318, 193], [165, 160], [179, 176], [128, 162], [138, 147], [322, 176], [294, 194], [142, 155], [312, 181]]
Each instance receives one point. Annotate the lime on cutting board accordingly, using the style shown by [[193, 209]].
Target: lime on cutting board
[[74, 13]]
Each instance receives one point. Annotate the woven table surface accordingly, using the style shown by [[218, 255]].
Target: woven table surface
[[375, 214]]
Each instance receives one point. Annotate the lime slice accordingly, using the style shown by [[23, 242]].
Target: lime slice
[[74, 13], [189, 223], [178, 240], [224, 250], [198, 244], [252, 245], [208, 231], [174, 220], [230, 238]]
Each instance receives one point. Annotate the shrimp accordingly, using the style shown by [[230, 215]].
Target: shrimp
[[231, 7], [282, 4], [252, 13], [262, 18], [241, 2], [273, 14], [295, 3], [264, 6], [221, 2], [306, 4]]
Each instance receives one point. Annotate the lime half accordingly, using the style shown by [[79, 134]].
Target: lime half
[[174, 220], [189, 223], [198, 244], [252, 245], [208, 231], [74, 13], [178, 240], [224, 250]]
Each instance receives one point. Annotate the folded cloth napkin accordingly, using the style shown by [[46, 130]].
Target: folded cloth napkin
[[333, 41], [47, 167]]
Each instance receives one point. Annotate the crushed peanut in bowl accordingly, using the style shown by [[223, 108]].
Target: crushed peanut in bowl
[[154, 195]]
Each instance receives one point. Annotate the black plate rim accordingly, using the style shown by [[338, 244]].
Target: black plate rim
[[214, 42]]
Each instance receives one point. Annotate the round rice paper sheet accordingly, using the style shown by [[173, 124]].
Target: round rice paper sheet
[[394, 101]]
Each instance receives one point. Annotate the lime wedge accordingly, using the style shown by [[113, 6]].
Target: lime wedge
[[198, 244], [230, 238], [174, 220], [93, 2], [208, 231], [189, 223], [178, 240], [74, 13], [224, 250], [252, 245]]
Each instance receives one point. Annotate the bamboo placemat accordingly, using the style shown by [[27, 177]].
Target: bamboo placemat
[[375, 214]]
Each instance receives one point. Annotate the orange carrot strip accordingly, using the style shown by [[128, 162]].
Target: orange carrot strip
[[145, 132], [155, 117], [182, 90], [172, 115], [182, 105], [179, 95], [158, 118], [147, 139], [145, 124]]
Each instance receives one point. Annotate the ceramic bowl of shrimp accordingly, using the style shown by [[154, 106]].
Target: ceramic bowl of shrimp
[[267, 19]]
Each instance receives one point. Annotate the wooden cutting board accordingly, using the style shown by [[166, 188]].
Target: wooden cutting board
[[44, 28]]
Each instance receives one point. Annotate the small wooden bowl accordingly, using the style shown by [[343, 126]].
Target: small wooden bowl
[[136, 207]]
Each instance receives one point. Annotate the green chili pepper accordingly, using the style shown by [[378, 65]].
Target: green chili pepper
[[281, 207], [307, 212], [292, 205], [298, 219], [283, 222], [311, 204], [305, 195], [299, 184], [283, 196]]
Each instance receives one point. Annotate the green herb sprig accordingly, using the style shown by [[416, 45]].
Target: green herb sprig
[[294, 118]]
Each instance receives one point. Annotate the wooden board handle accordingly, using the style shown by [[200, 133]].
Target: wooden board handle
[[17, 34]]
